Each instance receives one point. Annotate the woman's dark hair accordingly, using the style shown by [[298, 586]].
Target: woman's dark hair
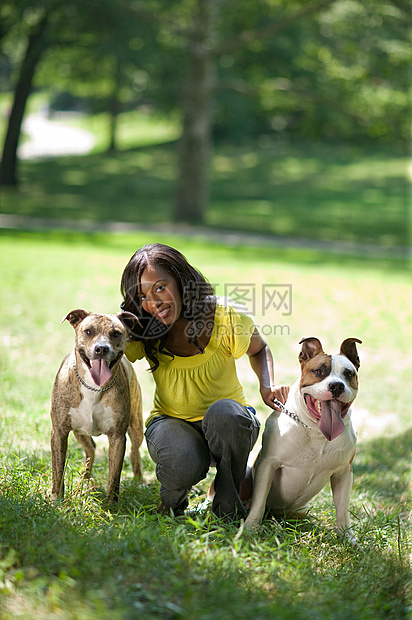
[[194, 289]]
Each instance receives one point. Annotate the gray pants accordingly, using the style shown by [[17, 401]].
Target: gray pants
[[183, 452]]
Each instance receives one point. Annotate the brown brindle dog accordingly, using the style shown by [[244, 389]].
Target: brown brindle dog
[[96, 392]]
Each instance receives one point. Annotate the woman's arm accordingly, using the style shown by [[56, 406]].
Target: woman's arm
[[261, 361]]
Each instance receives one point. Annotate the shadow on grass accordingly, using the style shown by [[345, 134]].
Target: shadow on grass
[[382, 469], [334, 193], [323, 192], [129, 186], [78, 556]]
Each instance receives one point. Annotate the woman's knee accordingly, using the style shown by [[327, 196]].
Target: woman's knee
[[184, 466], [230, 422], [225, 413], [181, 475], [180, 453]]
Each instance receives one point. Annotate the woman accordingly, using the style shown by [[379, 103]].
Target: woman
[[200, 414]]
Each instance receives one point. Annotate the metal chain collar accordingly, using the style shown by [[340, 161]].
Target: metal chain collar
[[292, 415], [89, 387]]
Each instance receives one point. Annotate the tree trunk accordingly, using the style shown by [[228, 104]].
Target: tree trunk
[[35, 46], [192, 194], [114, 106], [195, 144]]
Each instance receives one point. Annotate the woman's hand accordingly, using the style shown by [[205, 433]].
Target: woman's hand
[[261, 361], [269, 394]]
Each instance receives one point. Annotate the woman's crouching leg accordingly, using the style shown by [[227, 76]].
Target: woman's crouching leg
[[231, 431], [182, 459]]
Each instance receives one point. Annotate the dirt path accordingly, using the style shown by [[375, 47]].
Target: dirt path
[[53, 137]]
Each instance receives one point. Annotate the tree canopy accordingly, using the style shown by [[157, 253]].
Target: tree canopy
[[313, 69]]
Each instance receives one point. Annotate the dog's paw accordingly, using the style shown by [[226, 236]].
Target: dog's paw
[[353, 542], [251, 524], [349, 538], [245, 531]]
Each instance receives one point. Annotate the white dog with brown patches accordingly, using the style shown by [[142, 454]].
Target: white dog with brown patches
[[300, 454]]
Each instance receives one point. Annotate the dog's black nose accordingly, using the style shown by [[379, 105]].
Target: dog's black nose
[[101, 349], [337, 388]]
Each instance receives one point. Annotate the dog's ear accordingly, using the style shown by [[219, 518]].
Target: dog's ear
[[129, 320], [348, 348], [310, 348], [75, 317]]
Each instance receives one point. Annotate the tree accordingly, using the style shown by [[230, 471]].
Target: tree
[[203, 53], [199, 85], [108, 68], [315, 68], [36, 44], [342, 75], [57, 24]]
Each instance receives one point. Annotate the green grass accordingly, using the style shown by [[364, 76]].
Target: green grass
[[311, 191], [80, 561]]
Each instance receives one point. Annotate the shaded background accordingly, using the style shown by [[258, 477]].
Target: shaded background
[[288, 119]]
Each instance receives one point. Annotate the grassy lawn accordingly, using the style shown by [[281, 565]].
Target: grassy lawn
[[310, 191], [80, 561]]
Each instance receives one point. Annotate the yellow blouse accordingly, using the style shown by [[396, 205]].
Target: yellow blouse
[[187, 386]]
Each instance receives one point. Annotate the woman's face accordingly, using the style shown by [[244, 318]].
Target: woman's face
[[159, 295]]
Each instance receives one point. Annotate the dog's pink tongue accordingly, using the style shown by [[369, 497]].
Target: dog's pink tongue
[[331, 423], [100, 371]]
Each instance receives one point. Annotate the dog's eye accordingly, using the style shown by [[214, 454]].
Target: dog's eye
[[318, 372], [349, 374], [116, 333], [88, 332]]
